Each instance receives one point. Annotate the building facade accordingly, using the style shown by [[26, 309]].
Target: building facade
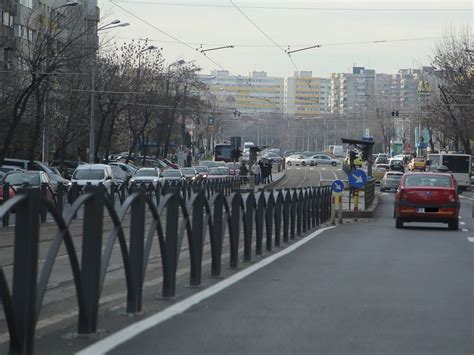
[[307, 95], [253, 94]]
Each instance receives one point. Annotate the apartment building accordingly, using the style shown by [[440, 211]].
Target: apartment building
[[252, 94], [307, 95], [7, 37]]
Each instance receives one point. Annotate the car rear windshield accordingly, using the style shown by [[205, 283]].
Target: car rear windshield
[[201, 169], [146, 172], [88, 174], [428, 181], [394, 176], [188, 171], [23, 178], [217, 171]]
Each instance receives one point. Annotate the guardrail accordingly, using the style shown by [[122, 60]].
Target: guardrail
[[278, 216]]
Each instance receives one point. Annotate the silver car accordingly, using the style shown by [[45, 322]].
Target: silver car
[[391, 180], [300, 159], [323, 159]]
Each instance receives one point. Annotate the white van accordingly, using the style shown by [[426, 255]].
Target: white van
[[338, 151]]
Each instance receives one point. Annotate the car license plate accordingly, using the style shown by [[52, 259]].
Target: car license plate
[[420, 210]]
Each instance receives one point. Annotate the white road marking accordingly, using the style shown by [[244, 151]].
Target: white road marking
[[465, 230], [324, 169], [462, 223], [311, 168], [385, 193], [107, 344], [471, 239]]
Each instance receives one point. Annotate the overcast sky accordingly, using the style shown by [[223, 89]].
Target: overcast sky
[[286, 23]]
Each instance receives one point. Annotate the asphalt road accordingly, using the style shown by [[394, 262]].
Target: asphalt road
[[298, 176], [363, 288]]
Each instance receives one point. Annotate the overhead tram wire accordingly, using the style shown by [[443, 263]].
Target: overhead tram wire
[[165, 33], [303, 8], [379, 41], [264, 33]]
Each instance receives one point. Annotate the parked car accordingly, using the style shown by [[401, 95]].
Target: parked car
[[67, 168], [378, 172], [95, 174], [274, 157], [146, 175], [234, 168], [202, 171], [427, 197], [128, 169], [218, 173], [417, 164], [381, 159], [171, 175], [208, 163], [18, 179], [119, 175], [300, 159], [189, 174], [323, 159], [170, 163], [396, 165], [390, 181]]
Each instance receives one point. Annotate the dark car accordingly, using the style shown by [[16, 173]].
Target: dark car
[[427, 197], [397, 165]]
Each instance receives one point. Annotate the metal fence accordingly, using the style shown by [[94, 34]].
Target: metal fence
[[273, 216], [117, 193]]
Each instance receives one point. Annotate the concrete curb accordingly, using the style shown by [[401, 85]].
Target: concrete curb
[[363, 214], [274, 182]]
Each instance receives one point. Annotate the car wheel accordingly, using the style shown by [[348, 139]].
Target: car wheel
[[453, 225], [333, 163], [398, 223], [289, 163], [303, 163], [382, 189]]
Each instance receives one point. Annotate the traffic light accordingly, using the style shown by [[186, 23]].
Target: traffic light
[[352, 157], [364, 155], [395, 113]]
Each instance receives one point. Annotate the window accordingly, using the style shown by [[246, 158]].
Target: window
[[27, 3]]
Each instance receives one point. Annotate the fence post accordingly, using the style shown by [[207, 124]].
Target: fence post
[[91, 259], [60, 197], [44, 193], [6, 196], [196, 240], [137, 236], [234, 230], [216, 242], [171, 246], [25, 271]]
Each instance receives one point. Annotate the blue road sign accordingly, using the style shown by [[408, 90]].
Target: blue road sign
[[357, 178], [337, 186]]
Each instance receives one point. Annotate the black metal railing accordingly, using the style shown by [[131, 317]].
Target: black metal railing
[[277, 216], [65, 195]]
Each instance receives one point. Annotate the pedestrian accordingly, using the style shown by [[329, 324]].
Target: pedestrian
[[243, 172], [189, 159], [264, 171], [256, 171], [270, 168]]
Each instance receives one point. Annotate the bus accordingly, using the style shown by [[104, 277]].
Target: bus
[[458, 164], [223, 152]]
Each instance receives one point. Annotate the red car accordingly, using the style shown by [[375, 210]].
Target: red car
[[427, 197], [17, 179]]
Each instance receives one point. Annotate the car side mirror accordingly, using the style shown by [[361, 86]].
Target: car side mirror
[[108, 178]]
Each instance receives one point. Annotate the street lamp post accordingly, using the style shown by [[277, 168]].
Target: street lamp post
[[113, 24]]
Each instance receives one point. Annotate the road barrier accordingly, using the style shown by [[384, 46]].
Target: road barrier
[[277, 215]]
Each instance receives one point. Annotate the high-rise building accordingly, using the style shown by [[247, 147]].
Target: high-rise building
[[253, 94], [7, 38], [307, 95]]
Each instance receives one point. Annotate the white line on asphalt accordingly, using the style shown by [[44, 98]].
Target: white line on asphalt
[[107, 344], [465, 230], [462, 223], [385, 193], [323, 169], [471, 239]]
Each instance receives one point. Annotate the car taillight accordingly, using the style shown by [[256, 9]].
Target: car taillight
[[452, 198]]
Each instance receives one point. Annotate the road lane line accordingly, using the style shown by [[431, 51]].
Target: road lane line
[[462, 223], [471, 239], [465, 230], [122, 336]]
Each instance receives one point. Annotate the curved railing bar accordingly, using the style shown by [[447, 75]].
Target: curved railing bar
[[10, 203], [8, 309], [63, 234], [117, 232], [156, 225]]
